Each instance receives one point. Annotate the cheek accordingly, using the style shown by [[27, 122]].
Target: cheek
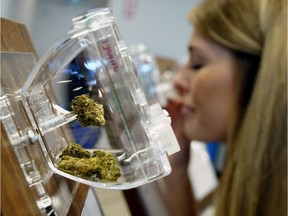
[[213, 95]]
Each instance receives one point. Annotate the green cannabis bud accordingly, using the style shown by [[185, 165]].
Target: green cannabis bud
[[100, 165], [89, 112], [75, 150]]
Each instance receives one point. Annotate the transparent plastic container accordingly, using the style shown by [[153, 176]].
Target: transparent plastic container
[[147, 69], [92, 59]]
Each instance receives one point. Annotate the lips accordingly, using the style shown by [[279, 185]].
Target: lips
[[187, 109]]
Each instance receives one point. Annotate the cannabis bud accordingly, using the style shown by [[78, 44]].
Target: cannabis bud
[[75, 150], [99, 165], [89, 112]]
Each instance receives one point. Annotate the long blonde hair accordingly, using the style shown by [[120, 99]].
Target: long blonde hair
[[254, 181]]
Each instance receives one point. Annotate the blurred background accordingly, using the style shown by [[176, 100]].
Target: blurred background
[[160, 24]]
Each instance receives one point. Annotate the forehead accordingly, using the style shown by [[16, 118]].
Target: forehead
[[199, 43]]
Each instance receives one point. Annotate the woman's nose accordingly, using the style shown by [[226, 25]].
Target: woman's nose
[[181, 80], [180, 88]]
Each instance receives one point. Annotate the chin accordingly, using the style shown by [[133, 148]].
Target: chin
[[195, 133], [191, 133]]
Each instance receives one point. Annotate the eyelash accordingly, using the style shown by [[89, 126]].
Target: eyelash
[[196, 66]]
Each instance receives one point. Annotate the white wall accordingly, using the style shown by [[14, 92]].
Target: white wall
[[162, 25], [46, 20]]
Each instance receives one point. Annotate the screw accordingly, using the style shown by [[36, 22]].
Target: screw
[[32, 137]]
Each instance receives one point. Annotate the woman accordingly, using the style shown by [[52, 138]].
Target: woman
[[236, 93]]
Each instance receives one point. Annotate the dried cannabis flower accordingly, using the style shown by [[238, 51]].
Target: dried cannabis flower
[[89, 112], [75, 150], [100, 165]]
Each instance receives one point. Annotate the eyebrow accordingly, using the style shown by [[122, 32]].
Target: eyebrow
[[193, 49], [190, 49]]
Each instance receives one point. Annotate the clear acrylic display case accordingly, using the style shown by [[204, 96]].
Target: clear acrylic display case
[[91, 59], [148, 71]]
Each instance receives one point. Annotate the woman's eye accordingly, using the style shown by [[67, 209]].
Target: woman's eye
[[196, 66]]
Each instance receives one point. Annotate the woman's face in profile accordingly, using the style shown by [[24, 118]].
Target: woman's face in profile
[[211, 90]]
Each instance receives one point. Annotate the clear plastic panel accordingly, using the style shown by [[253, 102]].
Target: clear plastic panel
[[147, 69], [92, 59], [15, 120], [15, 69]]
